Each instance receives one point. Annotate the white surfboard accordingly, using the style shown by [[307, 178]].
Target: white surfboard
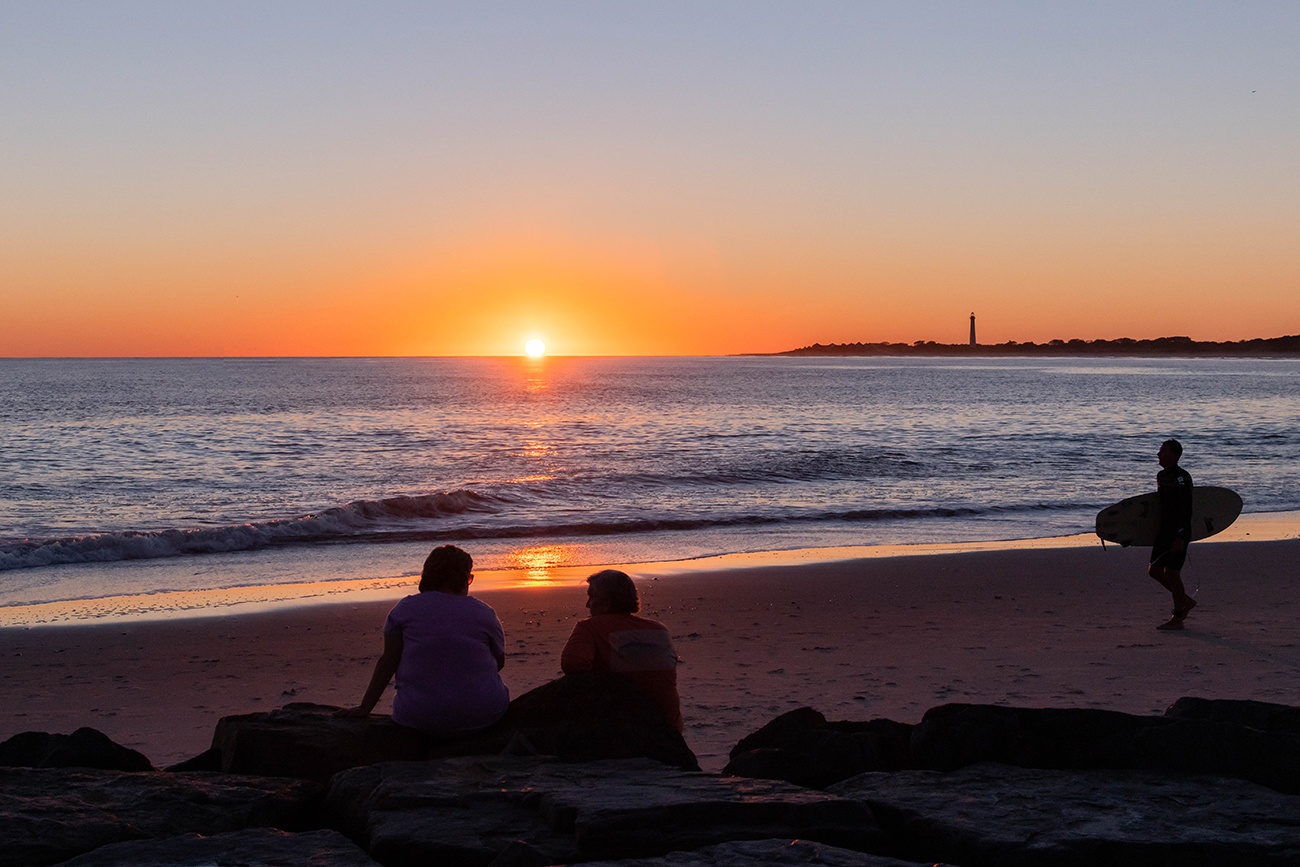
[[1135, 521]]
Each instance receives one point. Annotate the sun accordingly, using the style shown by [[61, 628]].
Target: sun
[[535, 348]]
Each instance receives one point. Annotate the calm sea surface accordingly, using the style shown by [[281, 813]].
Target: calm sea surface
[[133, 476]]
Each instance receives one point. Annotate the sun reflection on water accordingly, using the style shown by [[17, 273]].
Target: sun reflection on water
[[536, 449], [538, 561], [535, 378]]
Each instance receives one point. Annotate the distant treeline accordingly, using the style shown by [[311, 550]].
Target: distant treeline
[[1122, 346]]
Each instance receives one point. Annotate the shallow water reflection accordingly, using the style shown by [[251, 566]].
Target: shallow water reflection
[[538, 561]]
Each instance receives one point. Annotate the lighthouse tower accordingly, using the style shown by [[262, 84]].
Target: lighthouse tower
[[972, 329]]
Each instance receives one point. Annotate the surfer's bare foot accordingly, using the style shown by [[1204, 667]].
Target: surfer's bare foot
[[1172, 623], [1181, 611]]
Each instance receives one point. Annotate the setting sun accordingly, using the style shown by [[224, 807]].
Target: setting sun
[[535, 348]]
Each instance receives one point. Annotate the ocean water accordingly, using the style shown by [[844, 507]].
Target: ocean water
[[143, 475]]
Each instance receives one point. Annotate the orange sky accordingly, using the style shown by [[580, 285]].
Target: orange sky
[[433, 181], [632, 297]]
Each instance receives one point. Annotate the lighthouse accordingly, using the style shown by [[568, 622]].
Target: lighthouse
[[972, 329]]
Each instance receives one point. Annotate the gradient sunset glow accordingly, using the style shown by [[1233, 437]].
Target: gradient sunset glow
[[642, 179]]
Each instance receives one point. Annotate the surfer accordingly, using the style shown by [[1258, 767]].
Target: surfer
[[1174, 488]]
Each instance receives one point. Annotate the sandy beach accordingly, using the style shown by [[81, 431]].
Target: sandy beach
[[881, 636]]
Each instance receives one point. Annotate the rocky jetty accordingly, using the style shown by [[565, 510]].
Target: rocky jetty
[[84, 748], [801, 747], [591, 716], [48, 815], [1248, 740], [256, 847], [468, 810], [774, 852], [997, 814], [581, 775]]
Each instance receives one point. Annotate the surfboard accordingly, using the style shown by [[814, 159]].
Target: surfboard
[[1135, 521]]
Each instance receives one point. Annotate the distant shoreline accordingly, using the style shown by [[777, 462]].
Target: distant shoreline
[[1124, 346]]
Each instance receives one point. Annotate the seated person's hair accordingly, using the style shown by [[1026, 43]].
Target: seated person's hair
[[1174, 446], [617, 588], [447, 569]]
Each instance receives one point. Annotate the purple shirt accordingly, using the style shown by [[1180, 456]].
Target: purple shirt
[[448, 680]]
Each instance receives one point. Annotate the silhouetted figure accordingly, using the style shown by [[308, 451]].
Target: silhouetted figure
[[615, 639], [1169, 551], [446, 649]]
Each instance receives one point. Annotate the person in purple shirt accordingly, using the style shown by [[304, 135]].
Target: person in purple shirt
[[446, 650]]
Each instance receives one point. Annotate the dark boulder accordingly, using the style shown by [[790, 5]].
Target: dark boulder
[[953, 736], [574, 718], [471, 810], [757, 853], [84, 748], [1262, 715], [1249, 740], [990, 814], [448, 812], [801, 747], [309, 742], [208, 760], [957, 735], [48, 815], [1270, 758], [259, 847]]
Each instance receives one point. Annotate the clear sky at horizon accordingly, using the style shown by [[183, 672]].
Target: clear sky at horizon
[[392, 178]]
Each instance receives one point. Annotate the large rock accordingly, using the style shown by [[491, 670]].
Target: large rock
[[309, 742], [956, 735], [259, 847], [1262, 715], [84, 748], [50, 815], [1250, 740], [952, 736], [470, 810], [801, 747], [444, 813], [574, 718], [759, 852], [999, 815]]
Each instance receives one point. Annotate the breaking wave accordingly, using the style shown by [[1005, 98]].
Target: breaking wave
[[424, 518], [358, 520]]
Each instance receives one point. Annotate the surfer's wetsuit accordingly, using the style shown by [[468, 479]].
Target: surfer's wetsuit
[[1174, 486]]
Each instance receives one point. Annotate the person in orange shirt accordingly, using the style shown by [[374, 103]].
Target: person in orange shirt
[[615, 639]]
